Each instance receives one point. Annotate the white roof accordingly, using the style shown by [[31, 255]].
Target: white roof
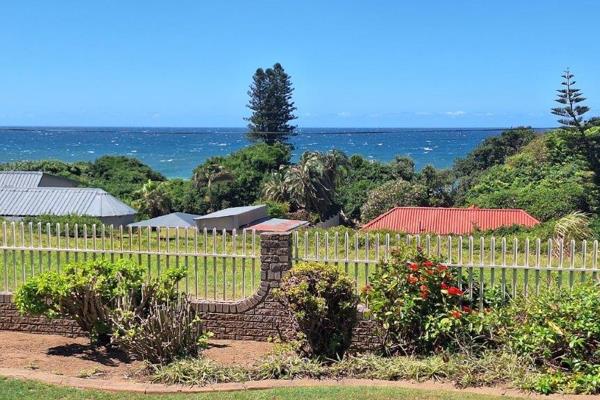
[[61, 201], [228, 212], [173, 220], [20, 179]]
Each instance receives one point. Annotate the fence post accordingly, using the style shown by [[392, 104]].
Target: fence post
[[275, 256]]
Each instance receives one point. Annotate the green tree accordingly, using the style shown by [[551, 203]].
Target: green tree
[[571, 111], [153, 200], [312, 183], [439, 186], [248, 167], [391, 194], [272, 106], [210, 174]]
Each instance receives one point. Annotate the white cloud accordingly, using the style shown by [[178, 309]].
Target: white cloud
[[455, 113]]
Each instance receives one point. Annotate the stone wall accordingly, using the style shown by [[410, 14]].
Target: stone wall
[[259, 317]]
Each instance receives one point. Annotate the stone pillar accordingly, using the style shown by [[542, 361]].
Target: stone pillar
[[275, 256]]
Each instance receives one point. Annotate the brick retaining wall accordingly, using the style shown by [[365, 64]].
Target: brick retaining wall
[[11, 320], [259, 317]]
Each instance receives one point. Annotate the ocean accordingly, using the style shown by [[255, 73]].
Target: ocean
[[176, 151]]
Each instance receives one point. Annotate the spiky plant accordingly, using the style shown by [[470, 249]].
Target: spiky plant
[[572, 227]]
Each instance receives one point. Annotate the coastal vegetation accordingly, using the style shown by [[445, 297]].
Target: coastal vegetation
[[550, 174]]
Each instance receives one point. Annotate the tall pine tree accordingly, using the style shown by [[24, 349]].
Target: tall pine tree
[[570, 111], [272, 106]]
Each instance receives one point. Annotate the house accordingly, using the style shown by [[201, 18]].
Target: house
[[247, 217], [173, 220], [33, 179], [16, 203], [446, 221]]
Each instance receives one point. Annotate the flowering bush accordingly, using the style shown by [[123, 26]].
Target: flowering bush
[[420, 305]]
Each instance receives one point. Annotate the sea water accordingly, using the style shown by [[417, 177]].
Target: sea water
[[176, 151]]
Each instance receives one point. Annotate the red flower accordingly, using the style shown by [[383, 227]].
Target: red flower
[[445, 286], [412, 279], [454, 291], [424, 291], [413, 267], [428, 263], [367, 289], [467, 309], [442, 268], [456, 314]]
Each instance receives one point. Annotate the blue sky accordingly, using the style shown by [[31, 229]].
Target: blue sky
[[354, 63]]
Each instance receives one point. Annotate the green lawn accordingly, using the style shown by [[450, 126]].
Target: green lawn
[[28, 390]]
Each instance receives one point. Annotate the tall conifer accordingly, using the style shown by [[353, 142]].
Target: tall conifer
[[570, 111], [272, 106]]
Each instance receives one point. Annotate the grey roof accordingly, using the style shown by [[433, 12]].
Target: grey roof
[[61, 201], [173, 220], [31, 179], [228, 212], [20, 179]]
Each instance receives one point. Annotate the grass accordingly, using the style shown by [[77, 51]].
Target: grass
[[29, 390], [215, 273]]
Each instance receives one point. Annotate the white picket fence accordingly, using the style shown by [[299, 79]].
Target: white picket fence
[[511, 265], [226, 265], [220, 264]]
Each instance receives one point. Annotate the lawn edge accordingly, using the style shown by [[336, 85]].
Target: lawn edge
[[155, 388]]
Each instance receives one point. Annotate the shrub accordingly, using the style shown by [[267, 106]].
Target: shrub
[[277, 209], [166, 331], [89, 293], [198, 371], [420, 306], [559, 329], [322, 302], [65, 220], [392, 194]]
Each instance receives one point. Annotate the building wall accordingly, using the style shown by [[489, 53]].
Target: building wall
[[118, 220], [56, 181]]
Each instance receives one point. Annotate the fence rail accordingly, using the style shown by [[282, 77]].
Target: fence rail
[[226, 265], [513, 266], [219, 264]]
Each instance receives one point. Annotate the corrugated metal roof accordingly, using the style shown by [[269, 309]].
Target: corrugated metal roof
[[20, 179], [445, 221], [61, 201], [277, 225], [228, 212], [173, 220]]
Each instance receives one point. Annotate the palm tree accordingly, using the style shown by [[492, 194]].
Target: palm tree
[[153, 200], [312, 182], [274, 187], [209, 174]]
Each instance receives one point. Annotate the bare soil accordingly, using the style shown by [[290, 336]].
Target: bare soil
[[75, 357]]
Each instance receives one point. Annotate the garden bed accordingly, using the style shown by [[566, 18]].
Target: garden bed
[[74, 357]]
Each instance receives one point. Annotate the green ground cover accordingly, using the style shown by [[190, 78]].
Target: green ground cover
[[29, 390]]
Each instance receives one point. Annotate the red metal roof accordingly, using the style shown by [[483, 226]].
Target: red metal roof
[[445, 221], [277, 225]]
